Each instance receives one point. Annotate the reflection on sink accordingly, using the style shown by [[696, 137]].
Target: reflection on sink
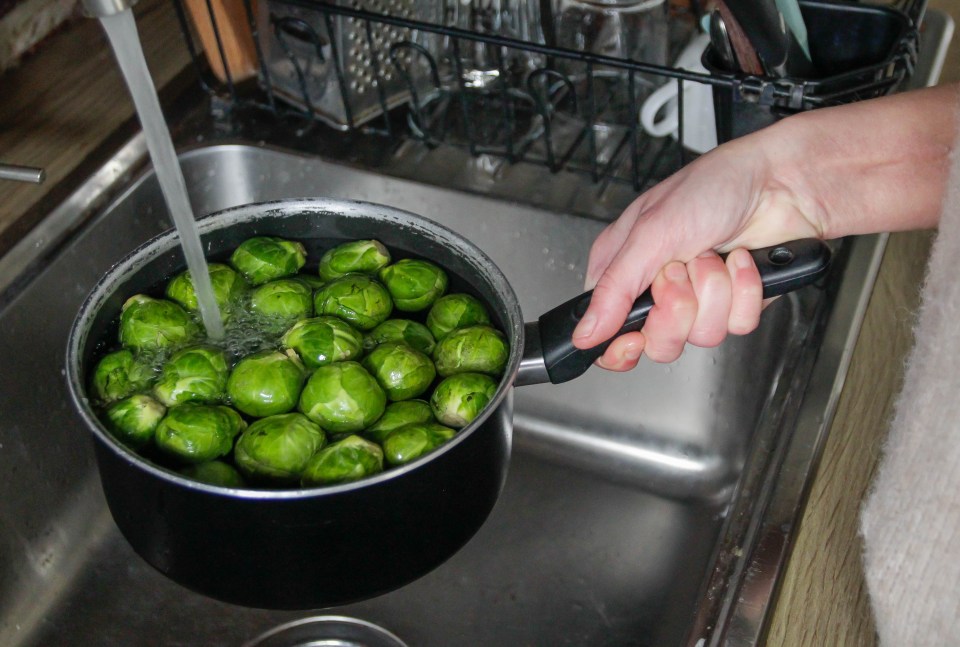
[[614, 522]]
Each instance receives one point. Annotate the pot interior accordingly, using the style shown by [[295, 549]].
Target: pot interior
[[319, 224]]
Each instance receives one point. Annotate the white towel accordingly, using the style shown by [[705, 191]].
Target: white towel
[[911, 518]]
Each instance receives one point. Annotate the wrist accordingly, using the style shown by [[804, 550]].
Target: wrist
[[878, 165]]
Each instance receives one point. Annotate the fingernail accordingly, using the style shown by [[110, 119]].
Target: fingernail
[[586, 325], [676, 272], [742, 260], [631, 352]]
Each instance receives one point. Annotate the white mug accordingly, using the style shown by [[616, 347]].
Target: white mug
[[699, 126]]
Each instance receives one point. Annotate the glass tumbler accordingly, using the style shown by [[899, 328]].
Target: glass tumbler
[[480, 62], [636, 30]]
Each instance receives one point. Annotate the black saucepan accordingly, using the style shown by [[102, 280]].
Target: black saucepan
[[316, 547]]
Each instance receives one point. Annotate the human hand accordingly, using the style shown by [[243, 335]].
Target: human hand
[[734, 198], [823, 174]]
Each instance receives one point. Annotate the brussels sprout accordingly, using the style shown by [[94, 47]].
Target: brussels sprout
[[349, 459], [265, 384], [476, 349], [195, 374], [265, 258], [342, 397], [401, 371], [364, 256], [413, 284], [283, 301], [412, 333], [355, 298], [458, 399], [120, 374], [228, 286], [197, 433], [454, 311], [148, 324], [323, 340], [412, 441], [135, 419], [215, 473], [277, 448], [396, 415]]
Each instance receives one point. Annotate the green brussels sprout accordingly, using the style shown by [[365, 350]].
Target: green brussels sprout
[[120, 374], [265, 384], [265, 258], [454, 311], [276, 449], [148, 324], [396, 415], [412, 333], [283, 301], [412, 441], [342, 397], [195, 374], [355, 298], [363, 256], [458, 399], [475, 349], [413, 284], [323, 340], [197, 433], [134, 420], [228, 286], [401, 371], [215, 473], [346, 460]]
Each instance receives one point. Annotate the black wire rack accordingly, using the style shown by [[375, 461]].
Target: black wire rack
[[381, 67]]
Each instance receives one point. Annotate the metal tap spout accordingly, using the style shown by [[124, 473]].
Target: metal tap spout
[[102, 8], [21, 173]]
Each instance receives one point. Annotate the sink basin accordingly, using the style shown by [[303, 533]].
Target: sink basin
[[633, 504]]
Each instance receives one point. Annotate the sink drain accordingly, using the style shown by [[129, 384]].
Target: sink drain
[[327, 631]]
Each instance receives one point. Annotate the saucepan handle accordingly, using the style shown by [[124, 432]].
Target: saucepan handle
[[783, 268]]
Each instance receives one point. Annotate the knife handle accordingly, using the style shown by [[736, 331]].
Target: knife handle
[[746, 54]]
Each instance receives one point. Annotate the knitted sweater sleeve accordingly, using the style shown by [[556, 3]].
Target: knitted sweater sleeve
[[911, 518]]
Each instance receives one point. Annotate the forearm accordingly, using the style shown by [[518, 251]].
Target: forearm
[[871, 166]]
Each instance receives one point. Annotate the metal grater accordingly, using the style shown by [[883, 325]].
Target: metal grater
[[298, 52]]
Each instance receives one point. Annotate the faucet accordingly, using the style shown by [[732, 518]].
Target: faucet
[[94, 9], [102, 8]]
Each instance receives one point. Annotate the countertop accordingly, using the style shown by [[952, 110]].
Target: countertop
[[62, 104]]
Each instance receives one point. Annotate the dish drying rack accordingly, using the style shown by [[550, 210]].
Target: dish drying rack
[[377, 68]]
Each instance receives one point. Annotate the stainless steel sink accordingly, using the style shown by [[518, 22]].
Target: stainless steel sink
[[616, 507], [649, 508]]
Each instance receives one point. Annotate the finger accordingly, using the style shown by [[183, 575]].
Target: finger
[[746, 293], [617, 289], [671, 318], [623, 353], [712, 287], [611, 302], [608, 244]]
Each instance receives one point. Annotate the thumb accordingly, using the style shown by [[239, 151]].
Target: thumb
[[617, 288]]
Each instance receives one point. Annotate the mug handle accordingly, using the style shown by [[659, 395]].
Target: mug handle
[[653, 104]]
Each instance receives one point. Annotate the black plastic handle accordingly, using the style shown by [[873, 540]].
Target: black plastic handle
[[783, 268]]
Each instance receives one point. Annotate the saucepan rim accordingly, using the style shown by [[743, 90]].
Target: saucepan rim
[[164, 242]]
